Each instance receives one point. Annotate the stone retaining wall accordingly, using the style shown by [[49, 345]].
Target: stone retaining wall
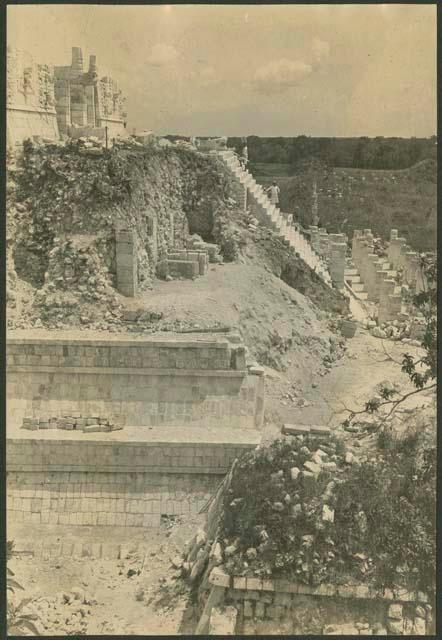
[[125, 478], [264, 606], [151, 382]]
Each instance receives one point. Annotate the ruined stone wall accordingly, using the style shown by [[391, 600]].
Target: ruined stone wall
[[152, 382], [280, 606], [128, 478], [159, 194], [30, 102]]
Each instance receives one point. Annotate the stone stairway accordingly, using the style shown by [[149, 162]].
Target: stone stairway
[[355, 282], [271, 216], [353, 279]]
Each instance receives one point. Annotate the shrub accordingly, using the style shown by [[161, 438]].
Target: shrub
[[383, 531]]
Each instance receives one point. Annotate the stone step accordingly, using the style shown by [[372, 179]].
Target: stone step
[[350, 272], [357, 287], [354, 279]]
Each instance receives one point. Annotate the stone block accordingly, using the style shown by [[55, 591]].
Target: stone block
[[254, 584], [419, 627], [395, 611], [219, 578], [395, 627], [268, 585], [239, 582], [223, 621], [340, 630], [260, 610], [276, 612], [295, 429], [92, 428], [312, 467], [283, 599], [319, 430]]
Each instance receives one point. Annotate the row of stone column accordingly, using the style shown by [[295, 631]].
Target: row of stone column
[[332, 247]]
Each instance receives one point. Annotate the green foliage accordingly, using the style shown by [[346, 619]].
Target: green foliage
[[18, 623]]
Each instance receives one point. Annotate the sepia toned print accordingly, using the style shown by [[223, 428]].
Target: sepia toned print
[[221, 320]]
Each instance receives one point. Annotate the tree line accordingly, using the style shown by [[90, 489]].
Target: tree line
[[358, 153]]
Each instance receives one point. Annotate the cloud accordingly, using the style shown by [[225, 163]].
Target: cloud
[[280, 75], [320, 49], [162, 54]]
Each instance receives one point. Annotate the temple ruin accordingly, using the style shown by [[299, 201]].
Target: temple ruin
[[53, 101]]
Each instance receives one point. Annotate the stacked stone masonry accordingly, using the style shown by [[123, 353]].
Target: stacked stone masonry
[[133, 378], [131, 479]]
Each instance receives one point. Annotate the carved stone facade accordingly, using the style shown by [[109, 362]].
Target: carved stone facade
[[30, 99], [84, 101]]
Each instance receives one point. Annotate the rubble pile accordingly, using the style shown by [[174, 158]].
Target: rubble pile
[[303, 509], [78, 284], [297, 477], [407, 331], [74, 422], [89, 145], [69, 613]]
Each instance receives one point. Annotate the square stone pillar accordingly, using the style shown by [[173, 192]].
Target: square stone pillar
[[126, 259], [387, 289], [370, 275], [394, 251], [314, 237], [337, 263]]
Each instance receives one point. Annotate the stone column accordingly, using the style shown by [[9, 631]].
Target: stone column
[[366, 249], [314, 238], [370, 275], [394, 251], [126, 259], [337, 263], [380, 276], [387, 289]]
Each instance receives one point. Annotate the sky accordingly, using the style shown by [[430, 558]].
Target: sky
[[268, 70]]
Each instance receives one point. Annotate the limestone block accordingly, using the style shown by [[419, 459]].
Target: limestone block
[[223, 621], [395, 611]]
